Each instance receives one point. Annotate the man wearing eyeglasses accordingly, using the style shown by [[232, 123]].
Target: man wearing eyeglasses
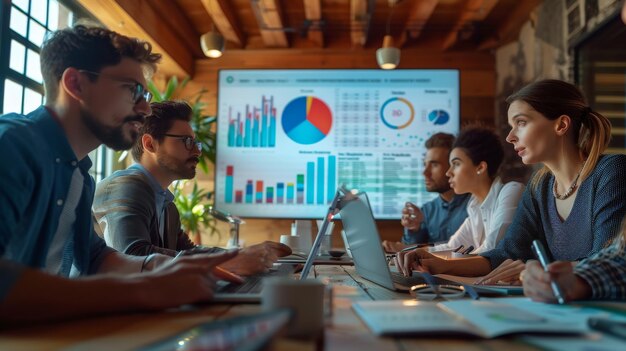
[[95, 94], [134, 208]]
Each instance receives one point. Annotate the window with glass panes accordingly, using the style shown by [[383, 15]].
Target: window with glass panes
[[23, 26], [28, 23]]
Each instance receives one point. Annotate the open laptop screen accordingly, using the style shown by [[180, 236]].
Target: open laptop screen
[[364, 241], [320, 234]]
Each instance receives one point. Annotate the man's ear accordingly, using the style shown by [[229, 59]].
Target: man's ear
[[562, 125], [148, 143], [71, 82]]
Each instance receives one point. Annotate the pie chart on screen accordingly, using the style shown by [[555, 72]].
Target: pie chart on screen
[[438, 117], [307, 120]]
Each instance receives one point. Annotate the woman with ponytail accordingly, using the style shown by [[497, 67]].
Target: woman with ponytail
[[602, 276], [574, 205]]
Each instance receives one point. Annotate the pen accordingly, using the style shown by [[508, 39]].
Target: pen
[[469, 249], [228, 275], [220, 272], [409, 248], [543, 259], [413, 247], [608, 326]]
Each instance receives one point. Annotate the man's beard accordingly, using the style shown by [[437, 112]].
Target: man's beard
[[112, 137], [177, 168], [439, 188]]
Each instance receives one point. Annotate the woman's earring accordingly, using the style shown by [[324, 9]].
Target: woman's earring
[[478, 172]]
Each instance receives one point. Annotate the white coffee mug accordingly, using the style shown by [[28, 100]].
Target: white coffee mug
[[304, 297], [293, 241]]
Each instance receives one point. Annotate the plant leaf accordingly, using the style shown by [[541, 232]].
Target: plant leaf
[[172, 85]]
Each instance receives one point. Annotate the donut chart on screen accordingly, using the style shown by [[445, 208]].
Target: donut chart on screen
[[307, 120], [397, 113], [438, 117]]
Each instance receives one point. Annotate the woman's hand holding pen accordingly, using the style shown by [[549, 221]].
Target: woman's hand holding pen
[[537, 282], [419, 260], [412, 217]]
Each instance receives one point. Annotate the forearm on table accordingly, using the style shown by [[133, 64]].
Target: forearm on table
[[119, 263], [467, 267], [37, 296]]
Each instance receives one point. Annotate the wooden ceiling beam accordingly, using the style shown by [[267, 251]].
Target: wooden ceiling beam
[[139, 19], [170, 12], [270, 23], [225, 19], [418, 16], [359, 22], [510, 27], [474, 11], [313, 13]]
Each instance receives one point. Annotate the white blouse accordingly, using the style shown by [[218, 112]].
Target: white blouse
[[486, 222]]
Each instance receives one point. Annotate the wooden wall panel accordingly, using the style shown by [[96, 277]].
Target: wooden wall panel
[[477, 101]]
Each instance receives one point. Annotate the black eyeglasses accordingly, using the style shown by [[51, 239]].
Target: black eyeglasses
[[187, 140], [136, 89]]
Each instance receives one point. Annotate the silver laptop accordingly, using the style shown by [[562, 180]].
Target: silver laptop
[[368, 254], [250, 290]]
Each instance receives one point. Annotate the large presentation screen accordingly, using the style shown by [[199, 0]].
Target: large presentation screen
[[286, 139]]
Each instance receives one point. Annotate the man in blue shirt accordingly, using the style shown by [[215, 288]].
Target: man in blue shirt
[[95, 93], [134, 208], [438, 219]]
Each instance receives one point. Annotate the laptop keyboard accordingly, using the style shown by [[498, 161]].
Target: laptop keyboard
[[400, 279], [253, 284]]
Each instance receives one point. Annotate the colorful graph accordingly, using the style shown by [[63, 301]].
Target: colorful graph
[[320, 186], [307, 120], [438, 117], [397, 113], [257, 129]]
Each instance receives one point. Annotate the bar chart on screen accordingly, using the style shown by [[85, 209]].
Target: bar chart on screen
[[314, 185], [257, 126]]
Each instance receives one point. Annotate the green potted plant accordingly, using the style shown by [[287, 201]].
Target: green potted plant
[[194, 210]]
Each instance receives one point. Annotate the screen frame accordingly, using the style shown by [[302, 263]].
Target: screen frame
[[221, 71]]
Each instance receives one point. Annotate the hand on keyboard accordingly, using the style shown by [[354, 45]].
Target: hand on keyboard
[[258, 258]]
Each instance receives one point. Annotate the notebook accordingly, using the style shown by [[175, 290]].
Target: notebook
[[370, 259], [485, 318]]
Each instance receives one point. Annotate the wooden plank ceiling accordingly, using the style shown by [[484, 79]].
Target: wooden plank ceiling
[[174, 26]]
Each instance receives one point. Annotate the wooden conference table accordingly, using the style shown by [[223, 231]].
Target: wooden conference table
[[344, 330]]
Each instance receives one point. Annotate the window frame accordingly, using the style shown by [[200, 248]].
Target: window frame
[[101, 155], [583, 77]]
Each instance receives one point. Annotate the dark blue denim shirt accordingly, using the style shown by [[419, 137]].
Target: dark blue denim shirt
[[36, 166]]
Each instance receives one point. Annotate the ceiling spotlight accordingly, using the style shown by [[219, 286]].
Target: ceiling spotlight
[[212, 44], [388, 57]]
